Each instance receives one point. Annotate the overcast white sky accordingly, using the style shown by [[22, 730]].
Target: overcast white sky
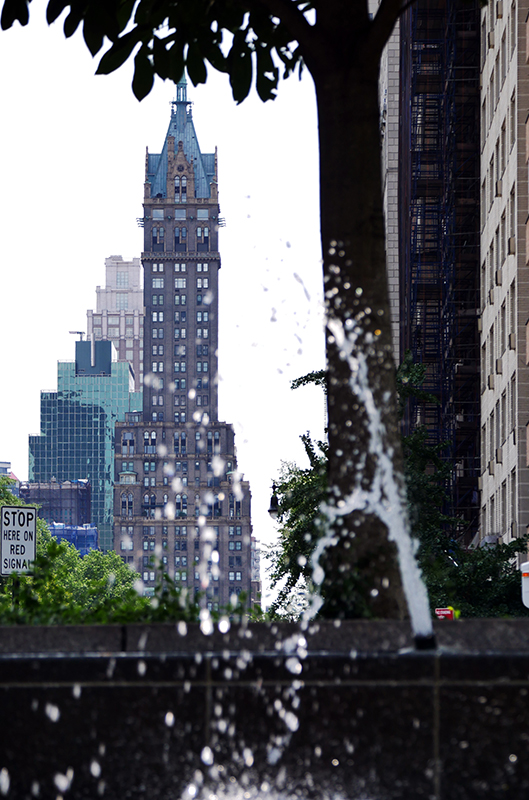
[[72, 149]]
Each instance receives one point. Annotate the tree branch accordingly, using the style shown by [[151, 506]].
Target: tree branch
[[312, 44], [388, 13]]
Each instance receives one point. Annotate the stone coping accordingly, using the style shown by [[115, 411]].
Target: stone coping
[[470, 636]]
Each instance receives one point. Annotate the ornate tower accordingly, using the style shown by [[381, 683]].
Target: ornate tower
[[178, 492]]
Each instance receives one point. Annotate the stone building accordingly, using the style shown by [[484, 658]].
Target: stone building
[[504, 264], [179, 497], [119, 313]]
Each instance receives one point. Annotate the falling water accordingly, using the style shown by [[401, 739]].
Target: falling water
[[386, 497]]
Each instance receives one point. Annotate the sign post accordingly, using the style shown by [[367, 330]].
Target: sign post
[[444, 613], [18, 529]]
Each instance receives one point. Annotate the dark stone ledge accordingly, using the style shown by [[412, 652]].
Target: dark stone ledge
[[350, 710]]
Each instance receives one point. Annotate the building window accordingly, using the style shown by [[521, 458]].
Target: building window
[[180, 283], [180, 299], [122, 302], [157, 267], [202, 239], [157, 213], [157, 283], [158, 238], [127, 505], [203, 213], [122, 280], [127, 444], [180, 189]]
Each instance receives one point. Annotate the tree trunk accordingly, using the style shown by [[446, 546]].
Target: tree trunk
[[366, 494]]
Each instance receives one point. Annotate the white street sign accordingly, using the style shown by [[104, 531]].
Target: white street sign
[[18, 529]]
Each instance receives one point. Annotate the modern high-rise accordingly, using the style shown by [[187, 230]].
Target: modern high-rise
[[78, 427], [504, 270], [179, 494], [119, 313]]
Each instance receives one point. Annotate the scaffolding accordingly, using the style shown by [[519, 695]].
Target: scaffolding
[[439, 234]]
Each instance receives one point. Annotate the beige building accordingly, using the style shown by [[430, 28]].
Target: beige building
[[504, 271], [119, 313]]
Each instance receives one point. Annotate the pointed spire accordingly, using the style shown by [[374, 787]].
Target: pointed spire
[[181, 90]]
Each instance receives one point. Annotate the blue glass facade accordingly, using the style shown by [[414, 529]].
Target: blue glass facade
[[77, 438]]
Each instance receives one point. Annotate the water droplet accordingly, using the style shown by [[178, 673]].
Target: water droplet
[[62, 782], [142, 667], [224, 625], [247, 756], [52, 712], [463, 745], [293, 666], [513, 758], [169, 719], [335, 762], [291, 721], [274, 755], [181, 628], [5, 780], [207, 756], [35, 788], [95, 768]]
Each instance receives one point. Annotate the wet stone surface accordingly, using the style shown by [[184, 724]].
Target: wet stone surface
[[352, 711]]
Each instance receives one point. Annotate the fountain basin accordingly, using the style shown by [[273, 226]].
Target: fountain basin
[[350, 710]]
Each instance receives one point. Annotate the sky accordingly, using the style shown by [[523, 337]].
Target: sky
[[72, 148]]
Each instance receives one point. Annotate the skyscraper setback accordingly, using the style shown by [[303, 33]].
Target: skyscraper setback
[[178, 492]]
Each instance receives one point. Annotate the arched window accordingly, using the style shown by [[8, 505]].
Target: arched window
[[210, 442], [184, 505], [178, 505]]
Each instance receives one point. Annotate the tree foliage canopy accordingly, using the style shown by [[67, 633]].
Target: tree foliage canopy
[[64, 587]]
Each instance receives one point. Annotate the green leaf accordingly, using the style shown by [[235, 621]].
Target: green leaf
[[72, 21], [92, 35], [267, 75], [240, 67], [196, 67], [143, 79], [118, 53], [14, 10], [176, 62], [55, 9], [162, 59]]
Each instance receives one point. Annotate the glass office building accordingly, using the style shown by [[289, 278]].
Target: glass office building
[[77, 439]]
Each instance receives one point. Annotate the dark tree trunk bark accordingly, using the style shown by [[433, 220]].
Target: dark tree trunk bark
[[360, 563]]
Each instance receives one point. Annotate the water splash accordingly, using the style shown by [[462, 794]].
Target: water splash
[[385, 497]]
